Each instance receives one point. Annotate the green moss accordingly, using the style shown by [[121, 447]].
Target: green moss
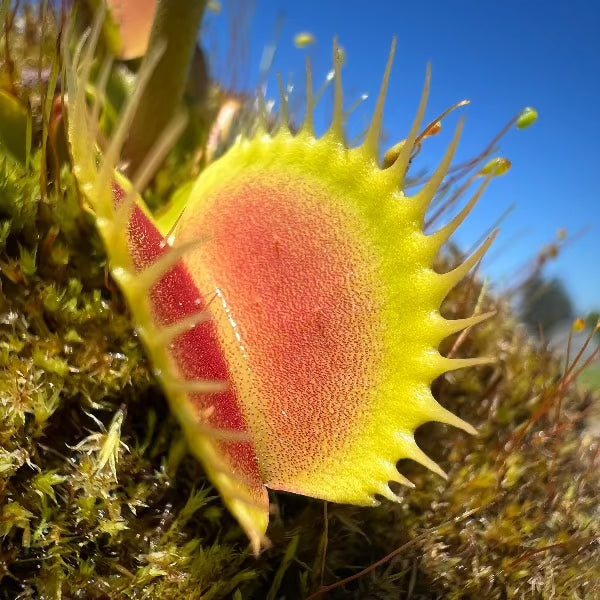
[[99, 499]]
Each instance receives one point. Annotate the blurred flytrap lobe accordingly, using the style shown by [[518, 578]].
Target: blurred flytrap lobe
[[254, 367], [128, 25]]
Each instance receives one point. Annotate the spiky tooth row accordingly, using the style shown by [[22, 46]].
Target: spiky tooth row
[[113, 221], [372, 139]]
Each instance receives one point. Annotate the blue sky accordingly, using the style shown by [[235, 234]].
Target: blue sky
[[502, 56]]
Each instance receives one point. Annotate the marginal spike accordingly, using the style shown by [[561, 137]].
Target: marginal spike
[[425, 196], [171, 233], [100, 97], [118, 139], [337, 124], [385, 491], [410, 449], [84, 163], [148, 168], [151, 274], [396, 476], [448, 280], [159, 151], [88, 55], [197, 386], [441, 415], [169, 333], [440, 237], [390, 472], [309, 120], [454, 364], [451, 326], [285, 110], [79, 50], [397, 171], [371, 144]]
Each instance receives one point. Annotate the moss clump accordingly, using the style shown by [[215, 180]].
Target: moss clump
[[99, 499]]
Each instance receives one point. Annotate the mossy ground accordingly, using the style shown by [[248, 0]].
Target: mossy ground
[[99, 500]]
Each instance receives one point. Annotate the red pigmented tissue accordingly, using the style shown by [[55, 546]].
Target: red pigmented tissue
[[197, 353], [300, 297]]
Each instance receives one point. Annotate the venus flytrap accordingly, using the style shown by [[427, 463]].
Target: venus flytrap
[[290, 308], [530, 507]]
